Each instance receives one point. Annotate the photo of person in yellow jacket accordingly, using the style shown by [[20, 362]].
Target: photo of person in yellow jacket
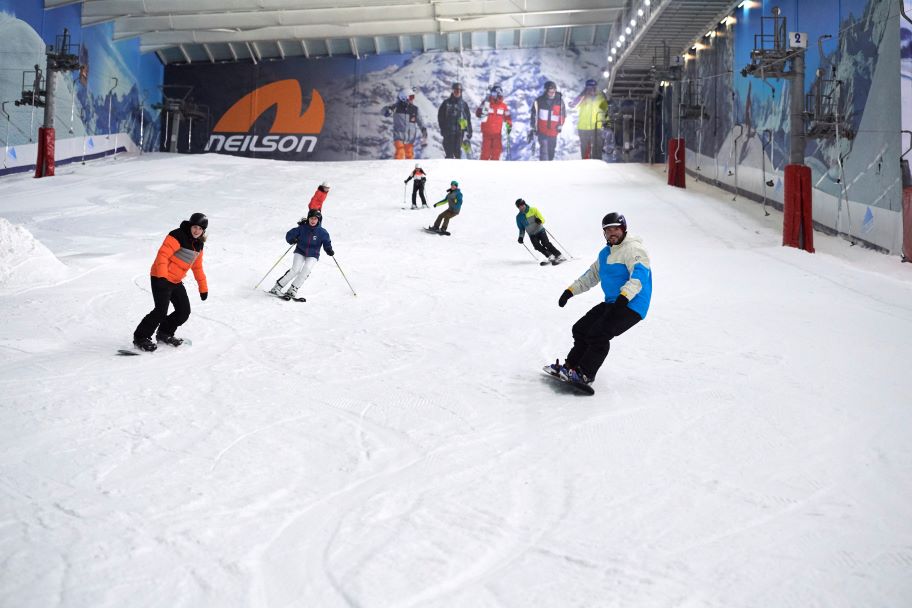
[[592, 116]]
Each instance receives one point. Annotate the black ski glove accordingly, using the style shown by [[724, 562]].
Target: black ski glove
[[330, 252], [621, 300], [519, 240], [538, 221], [204, 295], [564, 297]]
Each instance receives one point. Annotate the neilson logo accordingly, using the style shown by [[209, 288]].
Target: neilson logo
[[293, 129]]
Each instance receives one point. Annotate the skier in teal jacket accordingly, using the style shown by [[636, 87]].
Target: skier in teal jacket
[[529, 220]]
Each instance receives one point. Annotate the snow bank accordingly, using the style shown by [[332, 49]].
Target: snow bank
[[24, 261]]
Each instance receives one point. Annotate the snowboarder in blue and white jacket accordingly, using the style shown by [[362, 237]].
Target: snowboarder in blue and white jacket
[[310, 236], [623, 270]]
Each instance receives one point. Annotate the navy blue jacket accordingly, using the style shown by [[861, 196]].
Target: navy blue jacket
[[309, 240]]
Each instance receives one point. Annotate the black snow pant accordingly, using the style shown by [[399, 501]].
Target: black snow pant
[[452, 145], [418, 188], [592, 336], [543, 245], [164, 292]]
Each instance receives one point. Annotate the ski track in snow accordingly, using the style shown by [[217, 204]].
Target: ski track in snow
[[747, 444]]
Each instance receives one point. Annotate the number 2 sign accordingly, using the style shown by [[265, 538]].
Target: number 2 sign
[[798, 40]]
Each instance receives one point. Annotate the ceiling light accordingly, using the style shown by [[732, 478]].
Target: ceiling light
[[606, 73], [622, 38], [614, 51], [629, 31], [646, 3], [640, 12], [610, 59], [633, 23]]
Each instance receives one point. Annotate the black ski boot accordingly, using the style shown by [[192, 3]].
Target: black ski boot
[[145, 344], [169, 340]]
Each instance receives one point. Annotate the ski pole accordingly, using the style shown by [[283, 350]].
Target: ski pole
[[404, 188], [343, 275], [551, 234], [530, 252], [273, 266]]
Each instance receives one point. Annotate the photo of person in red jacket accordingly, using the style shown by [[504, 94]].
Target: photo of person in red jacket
[[548, 115], [493, 114], [182, 250]]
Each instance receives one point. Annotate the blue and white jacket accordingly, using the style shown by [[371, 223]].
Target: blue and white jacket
[[622, 270], [309, 240]]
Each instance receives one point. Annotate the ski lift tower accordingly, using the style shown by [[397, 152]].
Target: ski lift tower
[[60, 58], [779, 53], [667, 68]]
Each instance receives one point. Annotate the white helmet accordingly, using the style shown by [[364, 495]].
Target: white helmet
[[417, 165], [325, 184], [406, 94]]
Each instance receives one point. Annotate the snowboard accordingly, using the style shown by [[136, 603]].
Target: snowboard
[[579, 387], [439, 232], [284, 297], [134, 352]]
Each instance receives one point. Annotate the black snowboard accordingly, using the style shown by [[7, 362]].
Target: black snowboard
[[123, 352], [579, 387]]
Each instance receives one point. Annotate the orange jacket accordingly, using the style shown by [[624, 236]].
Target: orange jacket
[[316, 202], [179, 253]]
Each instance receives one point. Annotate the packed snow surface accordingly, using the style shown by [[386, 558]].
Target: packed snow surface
[[748, 444]]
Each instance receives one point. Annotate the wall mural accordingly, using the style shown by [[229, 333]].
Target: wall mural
[[333, 108], [94, 106], [742, 140]]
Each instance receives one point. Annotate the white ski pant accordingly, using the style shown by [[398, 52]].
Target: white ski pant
[[300, 270]]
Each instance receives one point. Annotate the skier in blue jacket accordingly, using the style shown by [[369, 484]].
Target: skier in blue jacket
[[310, 236], [622, 268]]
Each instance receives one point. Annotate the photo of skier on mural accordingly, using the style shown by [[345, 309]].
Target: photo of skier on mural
[[547, 120], [407, 124], [455, 122], [592, 109], [493, 113]]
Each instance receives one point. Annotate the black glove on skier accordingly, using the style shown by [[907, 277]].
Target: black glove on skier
[[538, 221], [564, 297], [330, 252], [204, 295], [519, 240], [621, 300]]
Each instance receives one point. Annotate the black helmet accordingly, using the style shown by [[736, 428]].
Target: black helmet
[[520, 202], [199, 219], [550, 85], [496, 90], [457, 86], [615, 219], [315, 213]]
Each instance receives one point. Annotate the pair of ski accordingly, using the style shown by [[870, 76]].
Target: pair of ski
[[123, 352], [553, 262], [431, 230], [286, 297], [580, 387], [416, 207]]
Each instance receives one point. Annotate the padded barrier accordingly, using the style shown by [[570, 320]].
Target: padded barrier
[[44, 164], [798, 223], [676, 167]]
